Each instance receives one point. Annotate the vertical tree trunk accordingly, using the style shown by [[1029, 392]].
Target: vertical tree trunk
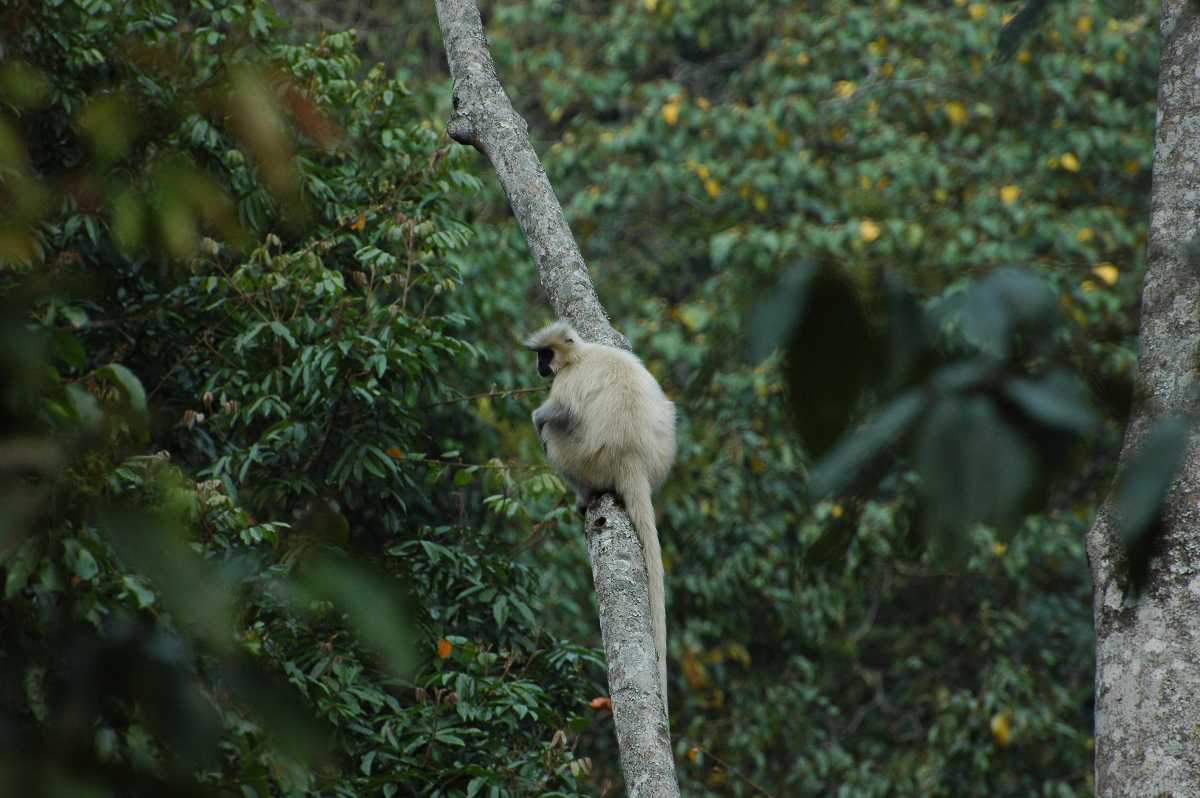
[[1148, 645]]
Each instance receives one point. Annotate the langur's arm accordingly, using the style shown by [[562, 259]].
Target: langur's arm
[[554, 415]]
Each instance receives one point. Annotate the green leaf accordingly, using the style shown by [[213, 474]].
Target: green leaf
[[1056, 400], [831, 359], [375, 605], [1006, 302], [20, 565], [838, 468], [132, 393], [974, 467], [127, 381], [142, 594], [80, 560], [281, 331], [773, 320], [1143, 488], [721, 245]]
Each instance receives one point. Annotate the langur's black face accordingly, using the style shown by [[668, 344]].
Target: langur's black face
[[544, 357]]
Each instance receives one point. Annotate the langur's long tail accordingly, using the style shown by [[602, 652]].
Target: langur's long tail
[[635, 491]]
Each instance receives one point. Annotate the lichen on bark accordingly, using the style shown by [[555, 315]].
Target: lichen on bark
[[1148, 642]]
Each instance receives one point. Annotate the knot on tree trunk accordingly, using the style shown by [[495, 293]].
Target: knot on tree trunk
[[461, 130]]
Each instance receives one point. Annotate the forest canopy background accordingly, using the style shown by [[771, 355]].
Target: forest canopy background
[[273, 517]]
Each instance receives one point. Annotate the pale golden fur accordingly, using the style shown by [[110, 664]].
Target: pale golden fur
[[608, 426]]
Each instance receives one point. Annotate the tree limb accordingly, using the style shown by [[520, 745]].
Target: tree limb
[[484, 118]]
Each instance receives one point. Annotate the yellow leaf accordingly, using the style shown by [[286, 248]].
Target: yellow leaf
[[1001, 729], [444, 648], [694, 317], [1107, 273], [1024, 57], [760, 203], [703, 103], [1007, 18], [395, 453], [650, 5], [1087, 286], [803, 59], [868, 230], [1083, 26], [360, 222], [836, 511], [957, 112], [1085, 235], [999, 549], [845, 88], [712, 187], [977, 11], [1132, 167], [670, 112], [757, 466], [838, 134], [1010, 194], [1069, 162]]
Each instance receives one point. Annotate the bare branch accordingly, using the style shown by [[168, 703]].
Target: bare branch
[[484, 118]]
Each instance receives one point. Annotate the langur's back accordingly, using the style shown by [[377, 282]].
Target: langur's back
[[629, 410]]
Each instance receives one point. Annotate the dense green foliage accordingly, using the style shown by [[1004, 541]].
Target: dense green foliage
[[245, 338], [266, 432]]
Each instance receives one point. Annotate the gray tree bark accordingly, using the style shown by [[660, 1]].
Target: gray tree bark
[[484, 118], [1148, 645]]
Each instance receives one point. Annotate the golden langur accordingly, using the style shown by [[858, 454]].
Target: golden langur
[[608, 426]]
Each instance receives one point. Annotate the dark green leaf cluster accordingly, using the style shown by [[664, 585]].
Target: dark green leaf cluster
[[242, 551]]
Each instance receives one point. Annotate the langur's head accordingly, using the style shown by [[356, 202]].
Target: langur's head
[[556, 345]]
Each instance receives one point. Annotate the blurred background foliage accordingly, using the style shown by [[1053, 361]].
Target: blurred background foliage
[[273, 521]]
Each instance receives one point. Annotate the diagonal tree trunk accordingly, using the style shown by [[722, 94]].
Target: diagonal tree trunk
[[484, 118], [1148, 645]]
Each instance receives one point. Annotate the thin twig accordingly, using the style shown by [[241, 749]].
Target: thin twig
[[731, 769], [487, 395]]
